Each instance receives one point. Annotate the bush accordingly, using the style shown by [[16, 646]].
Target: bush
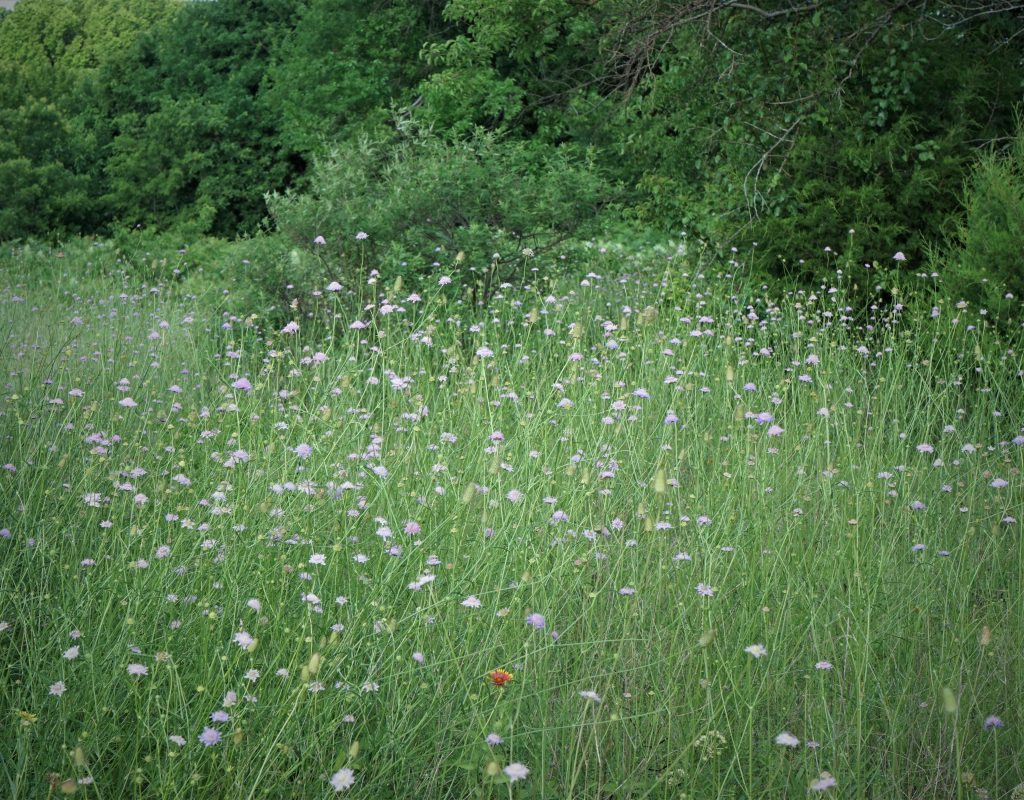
[[423, 201], [239, 277], [985, 260]]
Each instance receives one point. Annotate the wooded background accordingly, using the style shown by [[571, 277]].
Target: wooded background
[[480, 124]]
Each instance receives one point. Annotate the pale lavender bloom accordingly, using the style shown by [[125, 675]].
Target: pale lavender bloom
[[138, 669], [303, 450], [493, 739], [993, 722], [209, 737], [536, 621], [786, 739], [825, 781]]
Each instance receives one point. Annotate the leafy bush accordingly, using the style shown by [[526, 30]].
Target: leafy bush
[[254, 275], [422, 201], [985, 262]]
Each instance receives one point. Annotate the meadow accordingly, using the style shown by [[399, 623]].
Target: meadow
[[657, 533]]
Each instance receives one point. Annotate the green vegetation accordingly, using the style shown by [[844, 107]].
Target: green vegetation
[[511, 398], [784, 125], [721, 545]]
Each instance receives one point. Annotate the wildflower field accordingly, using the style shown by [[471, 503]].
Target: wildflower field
[[656, 533]]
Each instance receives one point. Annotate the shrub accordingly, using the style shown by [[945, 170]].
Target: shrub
[[482, 203], [985, 260]]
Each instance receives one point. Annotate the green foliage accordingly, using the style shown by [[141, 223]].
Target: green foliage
[[41, 192], [782, 124], [420, 198], [50, 51], [190, 140], [985, 261], [70, 36], [237, 277], [344, 63], [807, 125], [511, 66]]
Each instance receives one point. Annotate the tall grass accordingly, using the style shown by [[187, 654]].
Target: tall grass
[[774, 544]]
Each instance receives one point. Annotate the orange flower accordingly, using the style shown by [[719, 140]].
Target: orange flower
[[499, 677]]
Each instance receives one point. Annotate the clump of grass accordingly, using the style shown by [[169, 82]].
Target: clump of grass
[[710, 547]]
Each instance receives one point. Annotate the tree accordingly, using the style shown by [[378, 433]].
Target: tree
[[341, 67], [190, 139], [50, 51]]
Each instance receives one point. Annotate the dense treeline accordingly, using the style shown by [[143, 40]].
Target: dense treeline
[[508, 125]]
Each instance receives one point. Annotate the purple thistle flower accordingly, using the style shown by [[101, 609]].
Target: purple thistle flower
[[536, 621]]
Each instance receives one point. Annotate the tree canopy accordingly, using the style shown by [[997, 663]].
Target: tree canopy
[[788, 124]]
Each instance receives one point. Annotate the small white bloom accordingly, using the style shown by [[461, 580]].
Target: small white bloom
[[343, 779], [756, 650], [516, 771]]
